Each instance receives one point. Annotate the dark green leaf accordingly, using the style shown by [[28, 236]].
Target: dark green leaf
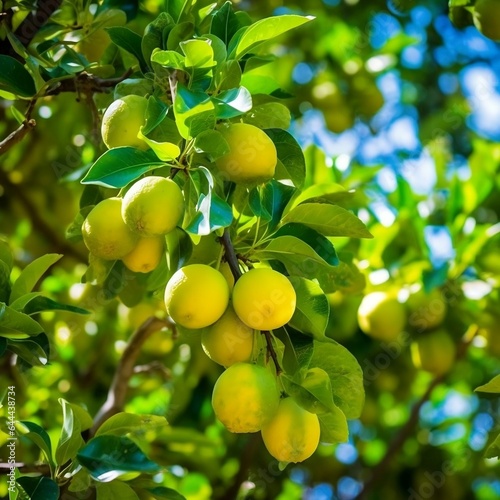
[[178, 8], [329, 220], [298, 348], [312, 310], [180, 247], [156, 112], [345, 277], [225, 23], [5, 288], [130, 7], [108, 457], [34, 351], [15, 78], [232, 103], [3, 345], [162, 493], [6, 254], [129, 41], [319, 243], [153, 35], [70, 440], [31, 274], [269, 115], [38, 488], [119, 166], [291, 164], [40, 303], [16, 325], [38, 435]]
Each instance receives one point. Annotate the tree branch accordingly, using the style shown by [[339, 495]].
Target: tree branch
[[117, 393], [19, 134], [379, 471], [43, 469]]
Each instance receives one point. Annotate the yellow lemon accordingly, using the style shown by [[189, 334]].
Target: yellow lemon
[[427, 310], [228, 340], [264, 299], [122, 121], [252, 156], [381, 316], [293, 433], [196, 296], [434, 352], [146, 255], [153, 206], [245, 397], [104, 232]]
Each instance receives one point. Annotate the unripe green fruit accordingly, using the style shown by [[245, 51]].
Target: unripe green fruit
[[245, 397], [252, 156], [122, 121], [153, 206], [105, 233], [381, 316], [434, 352], [487, 18]]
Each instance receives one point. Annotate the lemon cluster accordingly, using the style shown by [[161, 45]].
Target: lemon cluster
[[132, 229]]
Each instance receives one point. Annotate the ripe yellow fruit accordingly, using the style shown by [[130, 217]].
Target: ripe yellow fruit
[[427, 311], [104, 232], [138, 314], [196, 296], [252, 157], [293, 433], [228, 340], [245, 397], [146, 255], [487, 18], [122, 121], [381, 316], [153, 206], [264, 299], [434, 352]]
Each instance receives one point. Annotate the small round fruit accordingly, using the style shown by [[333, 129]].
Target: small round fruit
[[487, 18], [153, 206], [427, 310], [252, 156], [434, 352], [104, 232], [264, 299], [245, 397], [196, 296], [122, 121], [293, 433], [228, 340], [381, 316], [146, 255]]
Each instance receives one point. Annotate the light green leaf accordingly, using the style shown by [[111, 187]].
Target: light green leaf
[[115, 489], [70, 440], [17, 325], [312, 310], [329, 220], [130, 423], [492, 387], [333, 427], [267, 29], [31, 274], [269, 115], [165, 151]]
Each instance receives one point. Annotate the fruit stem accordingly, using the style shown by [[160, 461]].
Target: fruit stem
[[271, 352], [230, 254]]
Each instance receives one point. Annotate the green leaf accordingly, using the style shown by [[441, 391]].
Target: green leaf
[[169, 59], [324, 193], [194, 112], [15, 78], [31, 274], [3, 345], [267, 29], [333, 427], [291, 164], [5, 288], [34, 351], [115, 489], [345, 375], [225, 23], [6, 254], [74, 231], [82, 416], [302, 396], [153, 34], [156, 112], [125, 423], [38, 435], [38, 488], [163, 493], [70, 440], [269, 115], [492, 387], [493, 450], [129, 41], [180, 247], [329, 220], [212, 143], [119, 166], [232, 103], [136, 86], [212, 213], [227, 75], [39, 303], [178, 8], [16, 325], [108, 457], [298, 257], [199, 54], [319, 243], [312, 311], [345, 277], [298, 348], [165, 151]]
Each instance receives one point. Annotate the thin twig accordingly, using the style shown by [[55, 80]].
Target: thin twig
[[43, 469], [117, 393], [270, 350], [16, 136]]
